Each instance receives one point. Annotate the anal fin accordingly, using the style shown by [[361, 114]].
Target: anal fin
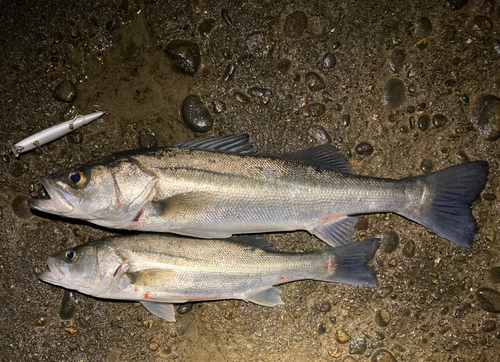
[[268, 297], [161, 310], [336, 230]]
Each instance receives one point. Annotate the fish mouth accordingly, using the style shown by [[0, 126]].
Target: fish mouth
[[54, 276], [57, 204]]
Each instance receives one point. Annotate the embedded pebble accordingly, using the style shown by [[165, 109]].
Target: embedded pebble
[[488, 325], [257, 45], [283, 65], [397, 59], [229, 73], [489, 299], [240, 97], [321, 328], [421, 107], [382, 317], [16, 170], [20, 207], [75, 137], [184, 323], [494, 275], [482, 25], [184, 308], [68, 306], [218, 106], [389, 242], [246, 60], [383, 355], [364, 149], [320, 134], [295, 25], [439, 120], [325, 307], [314, 81], [329, 61], [357, 346], [167, 350], [314, 110], [394, 93], [65, 92], [153, 346], [147, 140], [409, 249], [489, 196], [263, 94], [5, 158], [424, 122], [423, 27], [462, 311], [206, 27], [346, 120], [486, 117], [384, 291], [58, 37], [450, 82], [457, 4], [184, 56], [341, 336], [196, 115], [426, 165]]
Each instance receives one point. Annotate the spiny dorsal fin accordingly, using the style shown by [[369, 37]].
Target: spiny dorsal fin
[[253, 241], [238, 144], [324, 157]]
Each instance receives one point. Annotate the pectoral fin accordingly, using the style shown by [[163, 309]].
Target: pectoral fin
[[269, 297], [161, 310], [185, 207], [151, 277]]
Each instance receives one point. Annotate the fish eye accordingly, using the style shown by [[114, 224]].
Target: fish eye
[[76, 178], [70, 255]]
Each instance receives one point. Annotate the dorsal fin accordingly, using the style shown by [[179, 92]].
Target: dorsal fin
[[324, 157], [238, 144], [253, 241]]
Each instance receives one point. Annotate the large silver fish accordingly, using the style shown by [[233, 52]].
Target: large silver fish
[[158, 270], [217, 187]]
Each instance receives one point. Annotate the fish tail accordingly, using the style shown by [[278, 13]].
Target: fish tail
[[452, 191], [347, 263]]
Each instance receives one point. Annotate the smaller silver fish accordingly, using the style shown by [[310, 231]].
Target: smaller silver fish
[[158, 270]]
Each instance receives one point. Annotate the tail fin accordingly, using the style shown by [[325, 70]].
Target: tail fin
[[347, 263], [454, 189]]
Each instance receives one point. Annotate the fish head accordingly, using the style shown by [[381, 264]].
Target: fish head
[[109, 192], [75, 269]]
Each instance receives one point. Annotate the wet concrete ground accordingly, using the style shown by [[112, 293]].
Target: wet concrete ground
[[406, 78]]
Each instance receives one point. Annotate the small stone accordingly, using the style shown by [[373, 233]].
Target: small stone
[[320, 135], [321, 328], [426, 165], [364, 149], [422, 43], [424, 122], [486, 117], [382, 317], [229, 73], [341, 336], [462, 311], [329, 61], [74, 32], [184, 323], [20, 207], [394, 93], [410, 109], [325, 307], [439, 120], [409, 249], [283, 65], [166, 350], [228, 314], [206, 27], [68, 306], [246, 60], [147, 140], [421, 107], [226, 17], [75, 137], [357, 346], [241, 98], [314, 81], [263, 94], [184, 56], [488, 326], [383, 355], [153, 346], [184, 308], [346, 120], [482, 25], [494, 274], [423, 27], [314, 110], [389, 242], [218, 106], [295, 25], [397, 59], [196, 115], [489, 299], [65, 92], [5, 158], [257, 45], [457, 4], [489, 196], [58, 37], [450, 82], [379, 335], [76, 232]]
